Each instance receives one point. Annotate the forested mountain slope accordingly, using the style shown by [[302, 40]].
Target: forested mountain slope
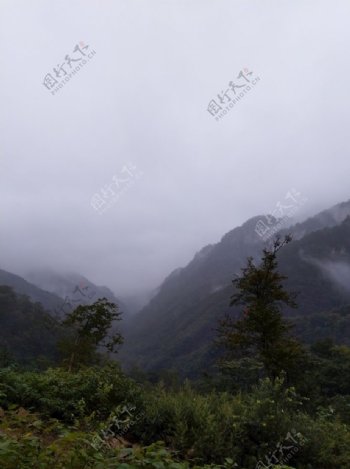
[[176, 329]]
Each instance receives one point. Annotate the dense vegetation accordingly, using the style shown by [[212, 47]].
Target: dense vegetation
[[98, 418], [270, 401], [177, 328], [27, 333]]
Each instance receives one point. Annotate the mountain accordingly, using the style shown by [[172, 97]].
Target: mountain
[[28, 314], [135, 302], [325, 219], [176, 329], [27, 331], [59, 293], [73, 289], [49, 301]]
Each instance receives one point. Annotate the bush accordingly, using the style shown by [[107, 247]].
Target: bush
[[216, 426], [67, 396], [246, 428], [74, 411], [27, 442]]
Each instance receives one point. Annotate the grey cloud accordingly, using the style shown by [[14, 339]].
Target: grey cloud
[[143, 99]]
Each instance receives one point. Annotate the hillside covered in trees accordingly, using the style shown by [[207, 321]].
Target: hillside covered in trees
[[257, 376], [177, 328]]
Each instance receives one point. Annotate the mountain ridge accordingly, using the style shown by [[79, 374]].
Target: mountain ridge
[[192, 298]]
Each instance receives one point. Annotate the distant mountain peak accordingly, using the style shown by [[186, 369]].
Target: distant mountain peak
[[176, 328]]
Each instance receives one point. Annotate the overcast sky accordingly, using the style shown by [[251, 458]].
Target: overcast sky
[[137, 111]]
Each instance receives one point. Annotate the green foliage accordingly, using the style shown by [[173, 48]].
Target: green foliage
[[27, 441], [327, 443], [73, 451], [67, 396], [90, 327], [98, 418], [246, 427], [211, 428], [333, 324], [197, 296], [262, 333], [332, 368], [27, 332]]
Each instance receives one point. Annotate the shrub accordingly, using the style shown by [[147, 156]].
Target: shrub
[[67, 396]]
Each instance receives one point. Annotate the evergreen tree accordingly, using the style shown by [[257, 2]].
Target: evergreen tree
[[262, 335]]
